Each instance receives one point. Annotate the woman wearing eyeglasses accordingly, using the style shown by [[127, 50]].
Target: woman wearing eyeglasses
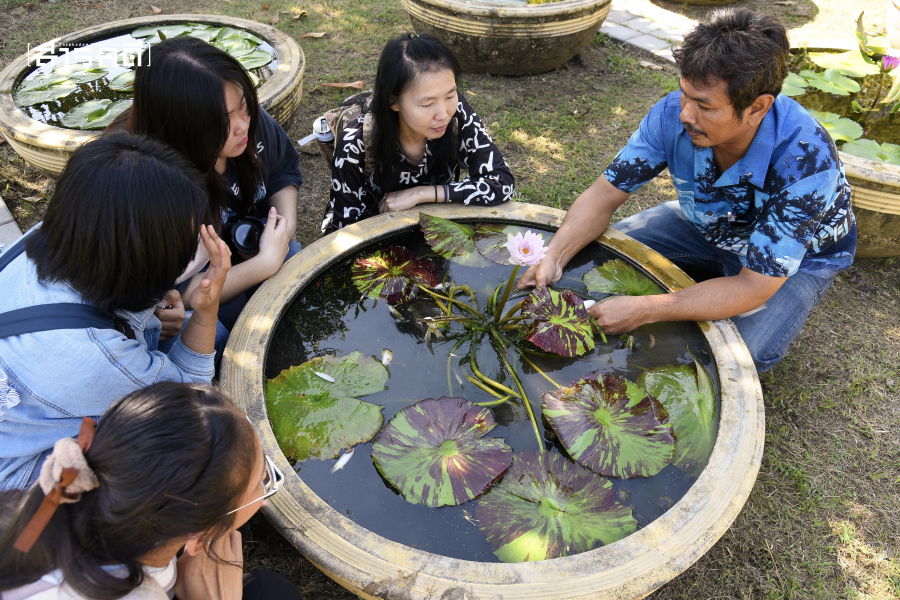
[[170, 466]]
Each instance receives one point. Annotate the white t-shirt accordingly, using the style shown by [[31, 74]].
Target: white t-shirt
[[159, 584]]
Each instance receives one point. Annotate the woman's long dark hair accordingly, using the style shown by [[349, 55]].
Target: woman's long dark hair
[[172, 459], [179, 99], [123, 223], [403, 60]]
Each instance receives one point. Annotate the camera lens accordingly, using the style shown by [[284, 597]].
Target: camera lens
[[246, 237]]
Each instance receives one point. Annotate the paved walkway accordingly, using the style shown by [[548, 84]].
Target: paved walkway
[[647, 27], [9, 230]]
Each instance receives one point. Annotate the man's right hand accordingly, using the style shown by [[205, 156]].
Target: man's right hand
[[548, 272]]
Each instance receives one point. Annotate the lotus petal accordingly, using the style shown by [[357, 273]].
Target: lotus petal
[[434, 452], [454, 241], [560, 323], [393, 273], [618, 277], [611, 426], [547, 507]]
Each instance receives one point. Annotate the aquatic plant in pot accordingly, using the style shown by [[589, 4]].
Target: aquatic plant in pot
[[855, 96], [60, 94], [300, 363]]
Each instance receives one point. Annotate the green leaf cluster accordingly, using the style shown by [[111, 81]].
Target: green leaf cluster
[[58, 83], [95, 114], [872, 150], [841, 129]]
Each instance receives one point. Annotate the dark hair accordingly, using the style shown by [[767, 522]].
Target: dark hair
[[172, 459], [179, 99], [748, 51], [123, 223], [403, 60]]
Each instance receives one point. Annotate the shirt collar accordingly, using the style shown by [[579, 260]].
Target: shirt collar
[[755, 164]]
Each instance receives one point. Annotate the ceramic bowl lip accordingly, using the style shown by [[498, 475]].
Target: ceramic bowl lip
[[486, 9], [632, 567]]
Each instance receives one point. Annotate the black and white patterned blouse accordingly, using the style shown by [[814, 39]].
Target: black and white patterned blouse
[[355, 196]]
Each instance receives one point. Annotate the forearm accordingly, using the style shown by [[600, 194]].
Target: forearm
[[285, 202], [585, 221], [241, 278], [199, 334]]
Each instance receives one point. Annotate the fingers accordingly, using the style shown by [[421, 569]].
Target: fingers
[[271, 221], [171, 297]]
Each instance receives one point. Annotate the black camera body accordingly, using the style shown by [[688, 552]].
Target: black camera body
[[242, 233]]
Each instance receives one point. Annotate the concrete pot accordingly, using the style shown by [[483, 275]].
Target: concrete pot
[[509, 40], [374, 567], [47, 148]]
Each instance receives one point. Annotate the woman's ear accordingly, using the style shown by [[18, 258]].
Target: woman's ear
[[195, 544], [394, 105]]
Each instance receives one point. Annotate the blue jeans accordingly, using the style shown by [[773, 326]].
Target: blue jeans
[[769, 330]]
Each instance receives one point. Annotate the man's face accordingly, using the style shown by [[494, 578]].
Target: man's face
[[708, 115]]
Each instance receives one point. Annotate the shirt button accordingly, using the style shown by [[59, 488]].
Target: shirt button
[[709, 213]]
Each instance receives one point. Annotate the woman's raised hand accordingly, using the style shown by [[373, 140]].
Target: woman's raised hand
[[205, 299]]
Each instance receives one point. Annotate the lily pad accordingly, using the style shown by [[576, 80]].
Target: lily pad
[[82, 72], [230, 33], [46, 90], [235, 45], [872, 150], [152, 33], [831, 81], [687, 395], [547, 507], [95, 114], [560, 323], [851, 63], [611, 426], [393, 273], [794, 85], [207, 34], [315, 418], [491, 239], [618, 277], [123, 82], [435, 452], [454, 241], [839, 128], [255, 59]]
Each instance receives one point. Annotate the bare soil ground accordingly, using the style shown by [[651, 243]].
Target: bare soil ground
[[823, 520]]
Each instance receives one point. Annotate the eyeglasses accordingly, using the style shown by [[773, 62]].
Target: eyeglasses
[[271, 481]]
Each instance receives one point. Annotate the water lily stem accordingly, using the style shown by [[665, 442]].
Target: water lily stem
[[483, 387], [509, 286], [526, 402], [492, 402], [512, 311], [464, 305], [538, 369], [488, 380]]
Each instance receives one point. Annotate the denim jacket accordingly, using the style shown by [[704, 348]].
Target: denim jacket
[[50, 380]]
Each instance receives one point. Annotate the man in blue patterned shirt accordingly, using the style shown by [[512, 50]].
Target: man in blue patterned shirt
[[763, 202]]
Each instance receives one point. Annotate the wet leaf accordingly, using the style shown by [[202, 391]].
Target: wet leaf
[[275, 20], [794, 85], [611, 426], [255, 59], [547, 507], [454, 241], [687, 395], [123, 82], [490, 239], [851, 63], [840, 128], [831, 81], [435, 452], [560, 323], [872, 150], [618, 277], [393, 273], [314, 418], [95, 114]]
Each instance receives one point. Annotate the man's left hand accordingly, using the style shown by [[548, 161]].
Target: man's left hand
[[619, 314]]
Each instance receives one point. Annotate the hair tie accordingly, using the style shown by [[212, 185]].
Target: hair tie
[[413, 35], [65, 475]]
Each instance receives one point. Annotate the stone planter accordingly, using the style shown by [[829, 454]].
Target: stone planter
[[509, 40], [47, 148], [374, 567]]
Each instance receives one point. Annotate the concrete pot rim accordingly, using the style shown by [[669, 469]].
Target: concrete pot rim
[[477, 8], [16, 124], [375, 567]]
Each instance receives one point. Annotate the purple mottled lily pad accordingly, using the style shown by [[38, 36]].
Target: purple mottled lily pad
[[560, 323], [393, 273], [611, 426], [491, 240], [454, 241], [618, 277], [434, 452], [547, 507]]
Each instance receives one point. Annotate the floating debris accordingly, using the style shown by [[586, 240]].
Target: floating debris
[[438, 287], [589, 303], [386, 357], [652, 342], [665, 502], [327, 378], [343, 460], [468, 517], [458, 379], [395, 313], [623, 495]]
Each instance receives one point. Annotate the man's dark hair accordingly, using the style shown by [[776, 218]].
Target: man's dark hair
[[747, 50], [123, 222]]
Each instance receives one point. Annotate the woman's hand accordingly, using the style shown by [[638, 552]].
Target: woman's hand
[[205, 299], [406, 198], [171, 315], [201, 577], [273, 245]]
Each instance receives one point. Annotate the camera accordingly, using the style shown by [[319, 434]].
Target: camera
[[242, 233]]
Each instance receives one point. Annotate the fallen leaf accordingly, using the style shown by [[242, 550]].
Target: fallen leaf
[[29, 5], [356, 84], [649, 65], [156, 10], [266, 6], [316, 34], [302, 15], [275, 20], [38, 198]]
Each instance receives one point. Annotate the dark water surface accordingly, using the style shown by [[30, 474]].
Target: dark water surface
[[331, 318]]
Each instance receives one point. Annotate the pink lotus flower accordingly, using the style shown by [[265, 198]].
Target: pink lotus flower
[[527, 250], [890, 63]]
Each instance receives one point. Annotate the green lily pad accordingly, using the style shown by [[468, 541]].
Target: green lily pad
[[435, 452], [152, 33], [83, 72], [123, 82], [547, 507], [454, 241], [230, 33], [490, 240], [315, 418], [831, 81], [611, 426], [560, 322], [393, 273], [839, 128], [851, 63], [44, 88], [235, 45], [205, 33], [95, 114], [255, 59], [618, 277], [872, 150], [794, 85], [687, 395]]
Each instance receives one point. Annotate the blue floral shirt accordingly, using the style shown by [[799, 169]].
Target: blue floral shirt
[[788, 197]]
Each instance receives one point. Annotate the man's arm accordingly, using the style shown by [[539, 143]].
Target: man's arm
[[585, 221]]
